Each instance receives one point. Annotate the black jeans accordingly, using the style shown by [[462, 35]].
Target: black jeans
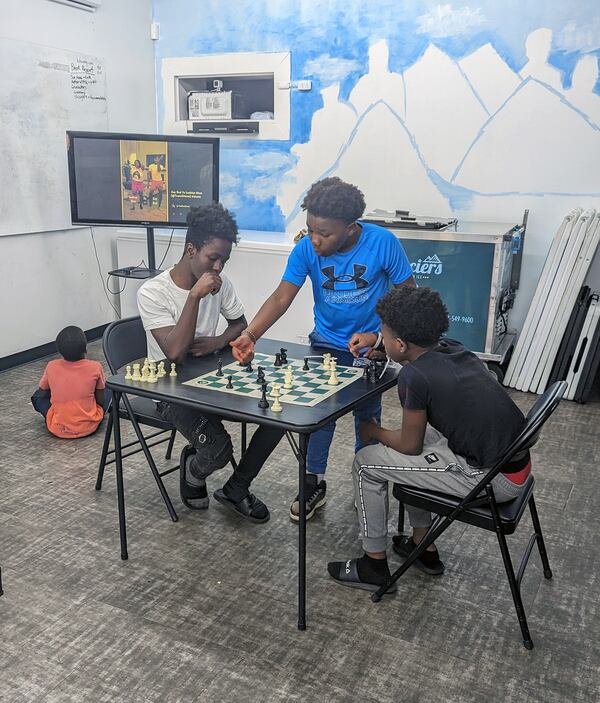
[[214, 449]]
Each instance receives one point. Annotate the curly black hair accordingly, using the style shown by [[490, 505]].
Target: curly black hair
[[415, 315], [208, 222], [335, 200], [71, 343]]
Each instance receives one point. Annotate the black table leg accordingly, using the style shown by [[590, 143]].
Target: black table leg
[[119, 472], [303, 444]]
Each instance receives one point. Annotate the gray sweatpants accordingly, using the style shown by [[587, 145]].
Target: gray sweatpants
[[437, 468]]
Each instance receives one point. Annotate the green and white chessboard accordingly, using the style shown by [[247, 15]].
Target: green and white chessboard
[[310, 387]]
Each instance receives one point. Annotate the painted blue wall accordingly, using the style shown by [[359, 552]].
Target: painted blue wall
[[341, 30]]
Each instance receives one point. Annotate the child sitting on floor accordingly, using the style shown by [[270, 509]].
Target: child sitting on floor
[[71, 392], [457, 421]]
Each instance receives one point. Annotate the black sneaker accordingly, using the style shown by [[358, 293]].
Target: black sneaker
[[429, 562], [315, 498]]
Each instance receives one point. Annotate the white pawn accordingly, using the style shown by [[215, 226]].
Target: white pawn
[[136, 373], [173, 370], [152, 375], [276, 405], [288, 380], [128, 376]]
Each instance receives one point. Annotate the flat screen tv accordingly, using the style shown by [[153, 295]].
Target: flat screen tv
[[140, 179]]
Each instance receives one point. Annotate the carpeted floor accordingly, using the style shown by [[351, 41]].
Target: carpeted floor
[[205, 609]]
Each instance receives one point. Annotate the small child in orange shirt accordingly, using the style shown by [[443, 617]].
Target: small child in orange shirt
[[71, 393]]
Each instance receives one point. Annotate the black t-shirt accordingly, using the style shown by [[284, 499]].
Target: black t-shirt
[[463, 401]]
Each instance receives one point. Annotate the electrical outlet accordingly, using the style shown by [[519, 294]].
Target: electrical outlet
[[304, 85]]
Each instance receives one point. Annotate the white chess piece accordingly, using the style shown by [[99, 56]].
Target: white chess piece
[[173, 370], [128, 376], [161, 369], [276, 406], [326, 360], [333, 379], [288, 381], [136, 373], [274, 388]]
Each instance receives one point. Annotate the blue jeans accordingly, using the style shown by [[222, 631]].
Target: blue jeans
[[320, 441]]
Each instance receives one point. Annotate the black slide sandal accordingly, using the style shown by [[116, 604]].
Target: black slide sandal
[[346, 574], [187, 491]]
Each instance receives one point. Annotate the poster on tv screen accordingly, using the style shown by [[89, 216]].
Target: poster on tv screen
[[140, 180]]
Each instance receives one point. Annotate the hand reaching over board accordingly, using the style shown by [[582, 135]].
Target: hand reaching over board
[[362, 340], [242, 349]]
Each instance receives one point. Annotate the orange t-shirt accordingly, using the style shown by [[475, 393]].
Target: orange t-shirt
[[74, 411]]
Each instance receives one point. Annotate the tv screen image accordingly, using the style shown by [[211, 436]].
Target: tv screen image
[[149, 180]]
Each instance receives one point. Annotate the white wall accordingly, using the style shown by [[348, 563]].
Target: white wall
[[50, 279]]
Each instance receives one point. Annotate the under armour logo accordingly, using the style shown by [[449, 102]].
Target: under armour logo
[[348, 567], [332, 279]]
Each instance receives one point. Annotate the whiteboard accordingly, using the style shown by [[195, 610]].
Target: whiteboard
[[43, 92]]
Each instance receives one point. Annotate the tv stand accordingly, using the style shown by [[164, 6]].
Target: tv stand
[[139, 272]]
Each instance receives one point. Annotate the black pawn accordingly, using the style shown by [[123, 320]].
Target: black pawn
[[306, 367], [220, 368], [277, 359], [284, 358], [373, 372], [229, 383], [263, 402], [249, 367]]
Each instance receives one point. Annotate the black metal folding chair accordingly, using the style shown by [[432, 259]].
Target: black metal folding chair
[[124, 341], [485, 512]]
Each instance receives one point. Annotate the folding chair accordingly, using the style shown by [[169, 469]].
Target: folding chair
[[484, 512], [124, 341]]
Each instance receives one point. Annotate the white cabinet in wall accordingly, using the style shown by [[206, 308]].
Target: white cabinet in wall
[[259, 83]]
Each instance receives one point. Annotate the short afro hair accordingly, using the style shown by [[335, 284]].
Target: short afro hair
[[208, 222], [333, 199], [71, 343], [415, 315]]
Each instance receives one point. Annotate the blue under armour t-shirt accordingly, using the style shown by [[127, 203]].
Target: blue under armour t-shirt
[[347, 286]]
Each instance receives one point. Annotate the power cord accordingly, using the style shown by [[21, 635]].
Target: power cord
[[166, 252], [104, 287]]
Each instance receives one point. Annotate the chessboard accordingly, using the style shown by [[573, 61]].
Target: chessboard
[[309, 387]]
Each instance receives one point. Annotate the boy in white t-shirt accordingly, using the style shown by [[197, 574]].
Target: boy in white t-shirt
[[180, 310]]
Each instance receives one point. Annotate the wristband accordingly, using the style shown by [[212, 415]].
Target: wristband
[[247, 333]]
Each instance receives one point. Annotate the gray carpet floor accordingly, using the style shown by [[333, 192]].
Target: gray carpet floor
[[205, 608]]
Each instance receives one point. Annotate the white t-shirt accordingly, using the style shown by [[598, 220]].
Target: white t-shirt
[[161, 302]]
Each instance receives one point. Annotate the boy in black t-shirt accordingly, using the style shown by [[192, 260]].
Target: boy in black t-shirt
[[457, 421]]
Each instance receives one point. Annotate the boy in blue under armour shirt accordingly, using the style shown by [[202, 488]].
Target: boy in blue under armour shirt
[[351, 265]]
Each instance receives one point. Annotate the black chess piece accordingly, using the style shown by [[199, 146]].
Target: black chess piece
[[249, 367], [373, 372], [229, 383], [263, 402], [365, 373], [261, 375], [306, 367], [284, 358], [220, 368], [277, 360]]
